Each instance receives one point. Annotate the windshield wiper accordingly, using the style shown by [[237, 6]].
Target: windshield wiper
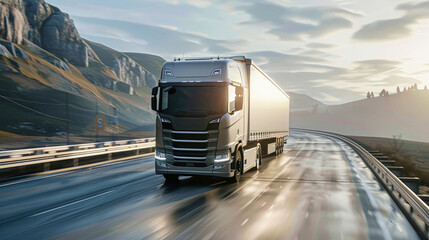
[[170, 89]]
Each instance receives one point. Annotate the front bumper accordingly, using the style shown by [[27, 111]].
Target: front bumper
[[217, 170]]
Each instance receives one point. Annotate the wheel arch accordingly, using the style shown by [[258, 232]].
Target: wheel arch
[[239, 147]]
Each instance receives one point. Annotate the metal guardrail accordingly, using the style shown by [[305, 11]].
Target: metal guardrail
[[17, 160], [413, 207], [63, 148]]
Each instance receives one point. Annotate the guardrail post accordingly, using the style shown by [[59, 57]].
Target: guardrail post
[[424, 198], [396, 170], [46, 167], [388, 163], [412, 183], [75, 162], [109, 156]]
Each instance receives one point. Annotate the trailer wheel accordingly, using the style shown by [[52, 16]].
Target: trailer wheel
[[171, 177], [258, 158], [238, 170]]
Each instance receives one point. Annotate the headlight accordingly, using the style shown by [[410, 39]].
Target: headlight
[[159, 155], [223, 156], [165, 120], [215, 121]]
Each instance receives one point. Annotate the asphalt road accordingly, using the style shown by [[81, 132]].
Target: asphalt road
[[317, 189]]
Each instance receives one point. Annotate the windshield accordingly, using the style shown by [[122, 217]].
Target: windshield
[[193, 101]]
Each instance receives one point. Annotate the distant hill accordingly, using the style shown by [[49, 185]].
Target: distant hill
[[299, 102], [403, 113]]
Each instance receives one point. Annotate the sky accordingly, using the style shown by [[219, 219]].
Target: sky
[[332, 50]]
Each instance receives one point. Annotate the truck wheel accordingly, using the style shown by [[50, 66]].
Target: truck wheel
[[238, 167], [171, 177]]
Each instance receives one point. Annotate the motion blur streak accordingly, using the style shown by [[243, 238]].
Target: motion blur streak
[[318, 189]]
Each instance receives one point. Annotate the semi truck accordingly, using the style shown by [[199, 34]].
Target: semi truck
[[217, 117]]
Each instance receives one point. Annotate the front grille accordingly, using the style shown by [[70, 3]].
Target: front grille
[[189, 136], [191, 147], [186, 144], [190, 153]]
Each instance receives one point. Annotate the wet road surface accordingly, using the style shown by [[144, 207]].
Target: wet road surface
[[317, 189]]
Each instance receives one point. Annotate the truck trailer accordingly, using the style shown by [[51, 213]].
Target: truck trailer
[[217, 117]]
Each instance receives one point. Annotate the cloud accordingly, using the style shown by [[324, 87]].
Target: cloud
[[390, 29], [320, 46], [315, 76], [165, 41], [398, 80], [294, 23]]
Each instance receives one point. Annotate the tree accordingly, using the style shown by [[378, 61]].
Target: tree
[[426, 87], [372, 94], [398, 143], [405, 89], [315, 108], [368, 95], [415, 86], [387, 93], [409, 88], [398, 90]]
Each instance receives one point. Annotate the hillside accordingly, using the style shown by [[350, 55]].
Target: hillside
[[299, 102], [53, 81], [404, 113]]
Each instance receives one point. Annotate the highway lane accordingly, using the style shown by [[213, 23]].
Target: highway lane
[[317, 189]]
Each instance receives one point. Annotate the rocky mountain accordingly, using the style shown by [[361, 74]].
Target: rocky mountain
[[54, 31], [124, 67], [397, 114], [43, 59], [45, 26]]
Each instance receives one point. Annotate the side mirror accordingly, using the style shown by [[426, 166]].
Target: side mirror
[[154, 99], [238, 98]]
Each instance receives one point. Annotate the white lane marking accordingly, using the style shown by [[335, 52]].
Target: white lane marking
[[245, 221], [69, 204], [33, 179], [263, 204]]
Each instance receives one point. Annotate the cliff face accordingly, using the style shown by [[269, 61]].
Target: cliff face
[[60, 37], [54, 31], [132, 73], [45, 26], [12, 22]]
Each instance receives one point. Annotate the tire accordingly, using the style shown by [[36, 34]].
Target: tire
[[171, 177], [258, 158], [238, 171]]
